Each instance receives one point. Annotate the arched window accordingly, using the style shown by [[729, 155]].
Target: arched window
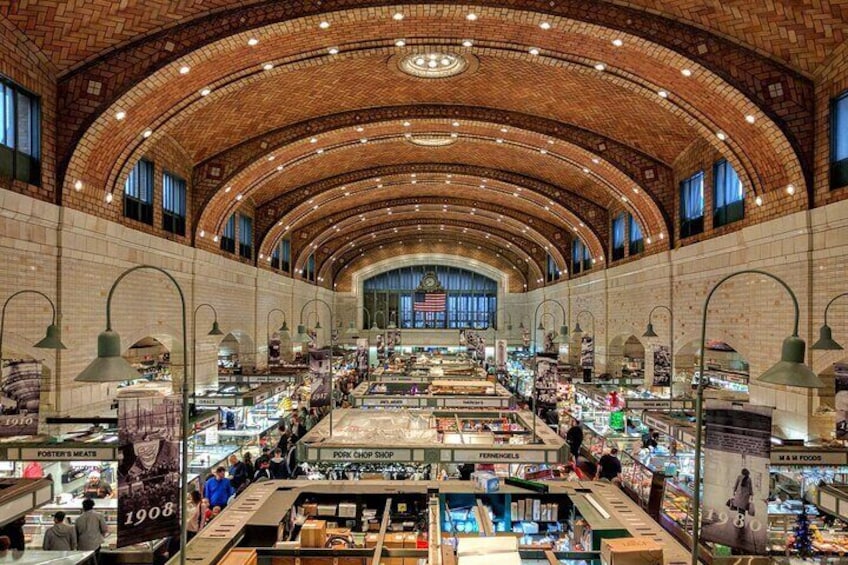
[[470, 299]]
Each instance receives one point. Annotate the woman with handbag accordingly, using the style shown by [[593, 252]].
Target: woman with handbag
[[742, 501]]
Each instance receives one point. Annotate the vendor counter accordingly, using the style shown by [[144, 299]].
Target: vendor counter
[[440, 393], [400, 523]]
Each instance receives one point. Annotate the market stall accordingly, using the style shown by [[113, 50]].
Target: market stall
[[441, 439], [400, 523], [441, 393]]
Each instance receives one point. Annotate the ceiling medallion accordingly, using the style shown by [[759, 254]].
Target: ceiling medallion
[[433, 64], [432, 140]]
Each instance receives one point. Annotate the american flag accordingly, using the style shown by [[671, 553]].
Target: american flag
[[429, 302]]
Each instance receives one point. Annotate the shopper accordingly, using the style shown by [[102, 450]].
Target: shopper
[[298, 430], [15, 532], [609, 467], [285, 434], [60, 536], [266, 456], [238, 472], [250, 470], [197, 516], [291, 461], [465, 471], [218, 489], [311, 419], [91, 529], [742, 501], [574, 439], [263, 473], [277, 465]]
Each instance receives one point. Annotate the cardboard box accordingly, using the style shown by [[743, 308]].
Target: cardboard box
[[631, 551], [313, 533], [347, 510]]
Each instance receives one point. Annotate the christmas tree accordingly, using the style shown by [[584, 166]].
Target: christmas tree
[[803, 537]]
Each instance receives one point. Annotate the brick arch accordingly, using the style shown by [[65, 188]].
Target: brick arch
[[773, 142], [606, 185], [351, 226], [430, 246], [510, 239], [580, 216]]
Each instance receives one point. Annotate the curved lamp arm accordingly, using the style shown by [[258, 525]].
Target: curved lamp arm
[[659, 307], [368, 323], [52, 328], [185, 422], [793, 348], [577, 328], [384, 316], [535, 331], [832, 300], [268, 319], [826, 341]]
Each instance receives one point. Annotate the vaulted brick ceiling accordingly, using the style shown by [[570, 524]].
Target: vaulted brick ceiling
[[567, 112]]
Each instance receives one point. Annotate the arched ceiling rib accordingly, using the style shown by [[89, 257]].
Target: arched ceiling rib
[[699, 99]]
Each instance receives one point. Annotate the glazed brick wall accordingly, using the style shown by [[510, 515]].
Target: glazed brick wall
[[701, 156], [21, 62]]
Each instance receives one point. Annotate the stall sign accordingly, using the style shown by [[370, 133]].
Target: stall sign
[[809, 458], [364, 454], [205, 422], [254, 379], [657, 424], [494, 456], [390, 402], [473, 402], [218, 401], [61, 454]]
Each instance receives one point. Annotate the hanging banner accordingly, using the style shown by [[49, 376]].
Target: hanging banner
[[363, 367], [662, 365], [500, 354], [149, 431], [587, 357], [546, 381], [550, 347], [392, 341], [20, 396], [319, 372], [381, 347], [737, 448], [841, 372], [274, 349]]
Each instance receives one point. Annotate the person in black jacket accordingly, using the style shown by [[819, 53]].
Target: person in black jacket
[[277, 465], [465, 471], [238, 472], [15, 532], [291, 461], [574, 439]]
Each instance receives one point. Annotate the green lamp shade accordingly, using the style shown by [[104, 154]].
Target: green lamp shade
[[109, 366], [53, 339], [284, 327], [302, 336], [509, 327], [562, 336], [374, 327], [541, 327], [826, 341], [791, 370], [215, 329], [520, 325], [391, 326], [318, 324], [351, 331], [649, 331], [577, 328]]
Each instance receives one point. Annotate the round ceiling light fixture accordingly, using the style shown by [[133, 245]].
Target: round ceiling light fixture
[[432, 140], [433, 64]]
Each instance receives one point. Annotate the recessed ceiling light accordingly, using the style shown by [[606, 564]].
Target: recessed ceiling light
[[721, 135], [750, 118], [109, 198], [215, 238], [184, 70], [503, 130], [279, 167], [585, 170], [363, 140], [534, 51], [271, 157], [790, 189], [205, 92], [455, 124], [227, 189], [120, 115], [600, 66], [319, 151], [400, 43], [324, 25], [662, 93], [617, 42], [147, 133], [499, 140], [454, 135], [397, 16], [545, 25], [471, 17], [78, 185], [467, 43], [333, 50], [543, 151], [360, 129], [758, 200], [202, 233], [313, 140], [239, 197], [252, 41], [596, 160], [268, 66], [686, 72]]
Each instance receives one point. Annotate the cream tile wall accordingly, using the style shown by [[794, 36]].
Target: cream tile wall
[[75, 258]]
